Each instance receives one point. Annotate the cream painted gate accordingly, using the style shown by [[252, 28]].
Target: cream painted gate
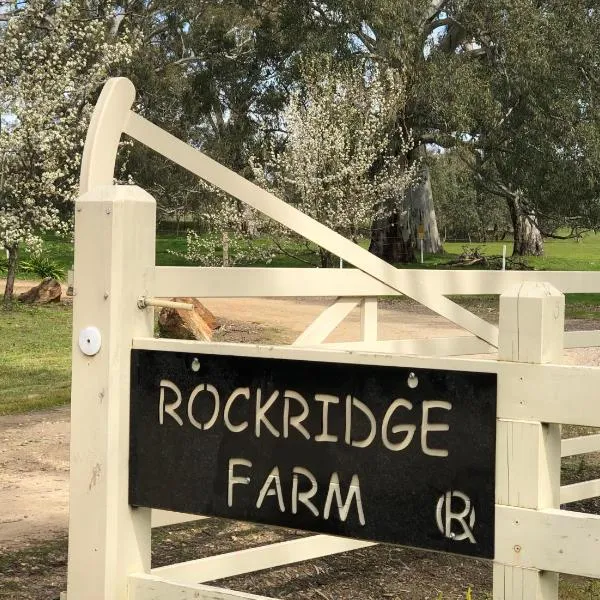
[[115, 275]]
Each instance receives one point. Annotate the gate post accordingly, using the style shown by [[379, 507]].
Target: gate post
[[114, 247], [528, 452]]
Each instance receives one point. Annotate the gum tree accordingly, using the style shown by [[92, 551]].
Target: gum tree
[[53, 59], [511, 82]]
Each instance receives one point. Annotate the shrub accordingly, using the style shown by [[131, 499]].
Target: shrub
[[43, 267]]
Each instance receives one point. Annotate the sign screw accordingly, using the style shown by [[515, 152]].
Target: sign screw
[[413, 381], [517, 548], [195, 365]]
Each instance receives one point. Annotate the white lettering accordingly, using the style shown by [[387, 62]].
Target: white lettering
[[303, 497], [262, 409], [326, 399], [267, 490], [409, 429], [170, 409], [211, 390], [444, 521], [295, 421], [426, 426], [344, 507], [233, 479], [245, 392], [355, 402]]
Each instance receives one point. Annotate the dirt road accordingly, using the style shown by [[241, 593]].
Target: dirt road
[[35, 448]]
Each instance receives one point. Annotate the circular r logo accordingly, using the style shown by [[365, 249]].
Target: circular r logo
[[455, 524]]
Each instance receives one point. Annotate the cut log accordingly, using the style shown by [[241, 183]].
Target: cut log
[[49, 290], [196, 324]]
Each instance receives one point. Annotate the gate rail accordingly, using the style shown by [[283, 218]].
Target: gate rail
[[109, 542]]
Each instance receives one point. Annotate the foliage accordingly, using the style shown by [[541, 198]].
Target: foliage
[[337, 127], [510, 81], [521, 98], [231, 232], [213, 74], [463, 210], [53, 58], [43, 266]]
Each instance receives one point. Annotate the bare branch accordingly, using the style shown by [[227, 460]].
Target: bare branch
[[283, 250], [179, 61], [435, 7]]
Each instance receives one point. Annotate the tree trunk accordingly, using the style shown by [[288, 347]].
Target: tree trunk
[[419, 201], [13, 261], [395, 238], [527, 237], [326, 259], [225, 245], [390, 239]]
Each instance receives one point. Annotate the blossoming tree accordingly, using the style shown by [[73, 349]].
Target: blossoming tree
[[53, 59], [337, 164]]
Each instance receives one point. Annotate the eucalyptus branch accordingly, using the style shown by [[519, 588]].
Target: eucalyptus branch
[[180, 61]]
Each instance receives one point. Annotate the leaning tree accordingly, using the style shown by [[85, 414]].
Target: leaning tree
[[522, 100]]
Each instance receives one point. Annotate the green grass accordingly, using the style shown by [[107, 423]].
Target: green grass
[[578, 588], [35, 357], [166, 242], [560, 255]]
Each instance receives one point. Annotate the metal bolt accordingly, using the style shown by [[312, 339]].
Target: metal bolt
[[108, 211], [517, 548], [195, 365], [413, 381], [105, 295]]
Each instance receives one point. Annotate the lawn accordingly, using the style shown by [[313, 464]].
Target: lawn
[[35, 357], [560, 255]]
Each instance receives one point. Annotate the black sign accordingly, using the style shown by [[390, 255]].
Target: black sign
[[381, 453]]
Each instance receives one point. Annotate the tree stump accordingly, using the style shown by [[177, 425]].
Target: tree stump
[[49, 290], [196, 324]]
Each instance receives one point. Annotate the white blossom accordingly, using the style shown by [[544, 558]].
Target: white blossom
[[53, 59], [231, 237], [336, 164]]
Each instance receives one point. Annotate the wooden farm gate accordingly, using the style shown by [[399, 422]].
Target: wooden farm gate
[[522, 527]]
